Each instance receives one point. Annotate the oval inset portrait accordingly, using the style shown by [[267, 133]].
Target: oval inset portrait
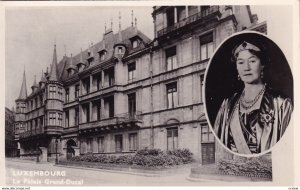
[[248, 93]]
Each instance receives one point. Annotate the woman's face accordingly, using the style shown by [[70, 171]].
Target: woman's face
[[249, 67]]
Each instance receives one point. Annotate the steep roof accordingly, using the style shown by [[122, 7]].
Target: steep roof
[[108, 42], [53, 76], [23, 91]]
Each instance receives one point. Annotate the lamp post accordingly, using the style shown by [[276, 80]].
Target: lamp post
[[56, 159]]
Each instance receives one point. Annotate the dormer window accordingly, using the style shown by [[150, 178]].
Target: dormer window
[[135, 44], [119, 50], [135, 41], [69, 72], [102, 55]]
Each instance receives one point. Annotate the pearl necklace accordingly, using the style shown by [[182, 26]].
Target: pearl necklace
[[249, 104]]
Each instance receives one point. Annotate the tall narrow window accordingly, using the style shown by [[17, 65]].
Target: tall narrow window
[[119, 143], [206, 46], [76, 116], [206, 135], [101, 144], [89, 144], [86, 85], [52, 91], [171, 58], [111, 109], [131, 71], [60, 93], [98, 104], [67, 118], [76, 91], [41, 100], [135, 43], [52, 118], [86, 110], [172, 98], [172, 138], [102, 55], [131, 105], [59, 119], [133, 141], [67, 95], [201, 87]]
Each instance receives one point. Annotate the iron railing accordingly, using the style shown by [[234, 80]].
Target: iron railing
[[189, 20]]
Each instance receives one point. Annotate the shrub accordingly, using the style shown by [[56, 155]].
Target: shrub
[[153, 152], [254, 166], [145, 157], [185, 154]]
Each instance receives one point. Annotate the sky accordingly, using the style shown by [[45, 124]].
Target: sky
[[30, 34]]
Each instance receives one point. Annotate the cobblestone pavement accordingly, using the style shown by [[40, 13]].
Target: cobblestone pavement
[[29, 173]]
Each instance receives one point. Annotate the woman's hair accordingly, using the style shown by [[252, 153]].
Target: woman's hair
[[259, 52]]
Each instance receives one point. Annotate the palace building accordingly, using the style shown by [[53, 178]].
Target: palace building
[[128, 92]]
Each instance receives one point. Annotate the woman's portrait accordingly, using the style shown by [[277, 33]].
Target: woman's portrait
[[249, 93]]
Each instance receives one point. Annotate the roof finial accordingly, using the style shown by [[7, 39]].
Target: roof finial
[[132, 18], [135, 22], [65, 49], [119, 20], [111, 23]]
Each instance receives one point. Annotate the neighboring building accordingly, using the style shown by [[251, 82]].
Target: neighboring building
[[128, 92], [10, 144]]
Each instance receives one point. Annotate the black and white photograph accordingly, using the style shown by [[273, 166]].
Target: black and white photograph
[[148, 94], [256, 84]]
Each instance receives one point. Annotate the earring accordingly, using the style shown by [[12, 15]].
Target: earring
[[239, 78], [261, 74]]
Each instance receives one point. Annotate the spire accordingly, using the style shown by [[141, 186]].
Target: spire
[[111, 23], [34, 82], [53, 71], [23, 91], [43, 79], [132, 18], [120, 21]]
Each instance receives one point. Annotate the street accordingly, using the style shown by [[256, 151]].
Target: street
[[29, 173]]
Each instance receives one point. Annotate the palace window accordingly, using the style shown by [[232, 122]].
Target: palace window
[[101, 144], [76, 90], [60, 93], [89, 144], [67, 119], [172, 138], [133, 141], [52, 118], [86, 112], [171, 58], [206, 46], [41, 100], [119, 143], [131, 71], [52, 91], [98, 104], [172, 97], [102, 55], [76, 116], [206, 134], [131, 105], [86, 85], [67, 95], [201, 87], [135, 43]]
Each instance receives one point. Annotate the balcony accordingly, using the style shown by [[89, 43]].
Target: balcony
[[120, 121], [200, 16], [27, 134]]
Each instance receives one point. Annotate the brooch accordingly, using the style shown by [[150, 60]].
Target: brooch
[[267, 117]]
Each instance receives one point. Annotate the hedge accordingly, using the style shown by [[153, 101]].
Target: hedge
[[149, 158], [254, 167]]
